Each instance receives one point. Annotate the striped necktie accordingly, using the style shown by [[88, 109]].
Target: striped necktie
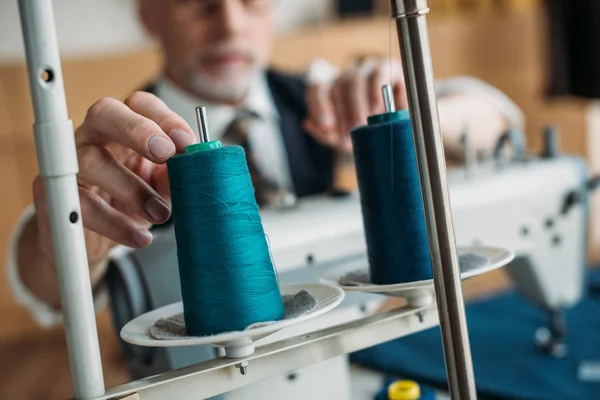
[[267, 193]]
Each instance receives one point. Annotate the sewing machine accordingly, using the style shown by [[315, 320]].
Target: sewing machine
[[536, 206]]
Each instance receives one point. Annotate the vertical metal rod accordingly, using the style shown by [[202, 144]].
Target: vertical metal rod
[[57, 160], [418, 71], [203, 135]]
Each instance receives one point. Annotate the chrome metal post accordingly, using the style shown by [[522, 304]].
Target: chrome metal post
[[388, 98], [57, 160], [201, 120], [411, 24]]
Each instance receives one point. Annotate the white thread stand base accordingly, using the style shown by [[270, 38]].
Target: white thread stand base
[[232, 344], [239, 348], [420, 292]]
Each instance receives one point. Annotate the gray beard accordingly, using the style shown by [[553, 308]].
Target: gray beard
[[229, 93]]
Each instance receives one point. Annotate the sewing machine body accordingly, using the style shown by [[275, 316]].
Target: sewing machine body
[[519, 206]]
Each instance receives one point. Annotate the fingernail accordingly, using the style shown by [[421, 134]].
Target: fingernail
[[182, 138], [142, 237], [158, 209], [160, 147]]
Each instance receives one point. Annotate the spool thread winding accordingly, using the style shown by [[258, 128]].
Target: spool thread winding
[[391, 201], [228, 281]]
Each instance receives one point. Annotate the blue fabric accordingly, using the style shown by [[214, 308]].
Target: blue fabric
[[506, 361]]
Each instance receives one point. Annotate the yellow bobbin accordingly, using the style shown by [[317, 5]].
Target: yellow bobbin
[[404, 390]]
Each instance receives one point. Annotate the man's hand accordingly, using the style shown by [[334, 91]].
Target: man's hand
[[122, 148], [335, 108]]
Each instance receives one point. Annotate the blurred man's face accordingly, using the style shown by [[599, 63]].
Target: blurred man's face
[[213, 48]]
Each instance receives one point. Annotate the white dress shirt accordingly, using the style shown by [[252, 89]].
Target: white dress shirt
[[264, 137]]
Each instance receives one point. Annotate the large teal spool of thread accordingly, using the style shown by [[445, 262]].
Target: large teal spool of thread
[[227, 277], [392, 206]]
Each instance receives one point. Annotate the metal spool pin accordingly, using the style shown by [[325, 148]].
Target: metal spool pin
[[203, 134], [388, 98], [411, 26]]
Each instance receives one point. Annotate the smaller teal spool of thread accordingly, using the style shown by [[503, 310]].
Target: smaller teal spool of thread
[[227, 277], [391, 201]]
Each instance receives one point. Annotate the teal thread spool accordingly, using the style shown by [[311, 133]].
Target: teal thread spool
[[391, 201], [227, 277]]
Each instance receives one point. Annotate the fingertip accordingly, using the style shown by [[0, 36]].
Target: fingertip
[[182, 139], [160, 147], [142, 237]]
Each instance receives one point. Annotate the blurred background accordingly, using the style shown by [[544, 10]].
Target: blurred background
[[106, 53]]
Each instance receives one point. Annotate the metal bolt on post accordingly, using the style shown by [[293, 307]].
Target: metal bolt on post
[[243, 367]]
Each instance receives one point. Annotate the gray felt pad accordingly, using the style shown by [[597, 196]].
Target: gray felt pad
[[295, 306]]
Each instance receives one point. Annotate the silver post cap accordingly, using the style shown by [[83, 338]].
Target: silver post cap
[[409, 8]]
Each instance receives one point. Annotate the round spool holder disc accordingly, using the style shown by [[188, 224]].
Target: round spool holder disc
[[235, 344], [419, 293]]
